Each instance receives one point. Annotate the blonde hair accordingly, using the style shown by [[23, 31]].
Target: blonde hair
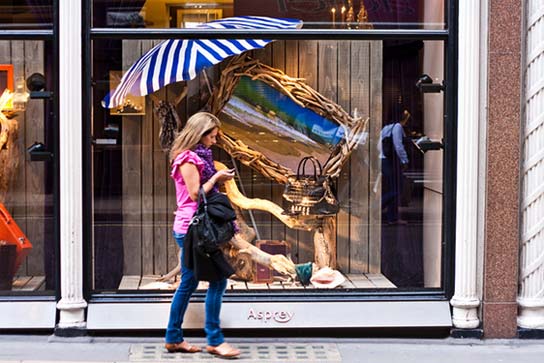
[[198, 125]]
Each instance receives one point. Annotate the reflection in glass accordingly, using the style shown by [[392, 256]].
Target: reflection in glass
[[26, 14], [273, 124], [348, 14], [412, 185]]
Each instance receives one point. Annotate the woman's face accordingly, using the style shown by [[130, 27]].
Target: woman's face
[[210, 139]]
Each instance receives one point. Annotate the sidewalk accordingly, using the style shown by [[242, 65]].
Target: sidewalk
[[33, 348]]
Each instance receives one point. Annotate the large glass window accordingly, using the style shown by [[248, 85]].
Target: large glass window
[[26, 14], [27, 141], [387, 233], [320, 14]]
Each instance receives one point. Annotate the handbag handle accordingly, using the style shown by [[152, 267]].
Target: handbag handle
[[316, 165], [202, 198]]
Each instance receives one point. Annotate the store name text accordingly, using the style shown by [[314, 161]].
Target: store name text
[[266, 316]]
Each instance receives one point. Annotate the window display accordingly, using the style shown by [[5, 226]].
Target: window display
[[291, 100], [27, 238]]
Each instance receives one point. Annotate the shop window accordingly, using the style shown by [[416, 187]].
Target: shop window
[[387, 232], [317, 14], [26, 14], [27, 236]]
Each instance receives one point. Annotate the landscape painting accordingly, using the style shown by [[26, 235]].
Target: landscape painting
[[270, 122]]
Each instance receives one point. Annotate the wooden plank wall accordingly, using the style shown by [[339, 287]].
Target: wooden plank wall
[[26, 201], [348, 72]]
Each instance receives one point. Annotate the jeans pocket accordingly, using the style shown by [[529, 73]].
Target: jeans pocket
[[179, 238]]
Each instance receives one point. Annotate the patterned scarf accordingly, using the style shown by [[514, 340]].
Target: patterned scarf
[[209, 168]]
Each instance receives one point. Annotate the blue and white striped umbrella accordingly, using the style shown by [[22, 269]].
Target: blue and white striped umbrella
[[177, 60]]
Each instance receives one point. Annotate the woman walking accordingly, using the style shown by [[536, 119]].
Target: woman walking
[[192, 169]]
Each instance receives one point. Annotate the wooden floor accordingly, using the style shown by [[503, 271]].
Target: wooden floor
[[28, 283], [358, 281]]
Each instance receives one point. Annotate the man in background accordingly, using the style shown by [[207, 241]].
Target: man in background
[[394, 162]]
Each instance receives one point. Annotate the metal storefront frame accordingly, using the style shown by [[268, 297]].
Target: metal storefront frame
[[434, 301]]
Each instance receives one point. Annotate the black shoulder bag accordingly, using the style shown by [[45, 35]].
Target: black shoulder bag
[[210, 227]]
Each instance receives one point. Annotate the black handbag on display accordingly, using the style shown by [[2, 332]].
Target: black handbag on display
[[210, 227], [311, 194]]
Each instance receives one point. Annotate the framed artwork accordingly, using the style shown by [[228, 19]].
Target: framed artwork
[[6, 81], [133, 105]]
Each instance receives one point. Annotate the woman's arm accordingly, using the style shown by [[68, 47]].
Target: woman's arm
[[191, 177]]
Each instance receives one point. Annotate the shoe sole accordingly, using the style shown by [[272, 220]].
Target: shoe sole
[[225, 356]]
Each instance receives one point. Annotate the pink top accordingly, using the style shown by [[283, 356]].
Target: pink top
[[186, 206]]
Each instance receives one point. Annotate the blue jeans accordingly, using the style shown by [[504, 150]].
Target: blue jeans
[[214, 298]]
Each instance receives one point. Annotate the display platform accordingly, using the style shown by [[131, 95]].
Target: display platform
[[353, 281]]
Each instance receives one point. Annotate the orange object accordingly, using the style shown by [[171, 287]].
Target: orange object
[[12, 234]]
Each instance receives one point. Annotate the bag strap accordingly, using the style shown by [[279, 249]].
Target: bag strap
[[314, 160], [316, 164], [301, 164], [202, 199]]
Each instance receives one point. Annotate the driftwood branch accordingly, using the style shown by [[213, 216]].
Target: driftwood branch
[[240, 200]]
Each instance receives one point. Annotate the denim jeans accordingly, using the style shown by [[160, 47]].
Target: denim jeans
[[214, 298]]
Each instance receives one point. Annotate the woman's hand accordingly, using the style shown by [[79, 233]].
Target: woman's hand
[[220, 177], [223, 175]]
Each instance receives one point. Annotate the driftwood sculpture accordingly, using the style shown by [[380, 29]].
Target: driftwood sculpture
[[324, 228], [354, 130]]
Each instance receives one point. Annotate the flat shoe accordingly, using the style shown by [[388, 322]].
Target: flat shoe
[[223, 350], [181, 347]]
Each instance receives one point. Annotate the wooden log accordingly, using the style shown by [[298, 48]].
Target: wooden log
[[245, 231], [241, 262], [329, 233], [321, 249]]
